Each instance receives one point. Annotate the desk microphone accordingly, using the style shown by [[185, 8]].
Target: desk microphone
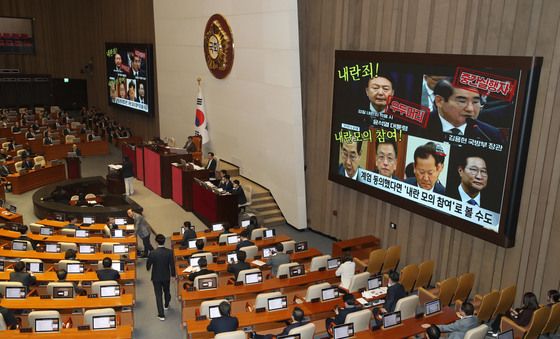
[[473, 124]]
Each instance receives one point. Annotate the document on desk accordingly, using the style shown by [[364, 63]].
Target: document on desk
[[130, 227], [115, 167], [367, 294], [362, 301], [258, 263], [189, 269]]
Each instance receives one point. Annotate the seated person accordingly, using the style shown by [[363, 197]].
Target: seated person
[[202, 269], [433, 332], [35, 126], [67, 130], [70, 254], [62, 274], [395, 291], [9, 317], [277, 258], [522, 315], [27, 152], [11, 145], [341, 313], [240, 265], [29, 134], [108, 273], [59, 195], [16, 128], [225, 323], [298, 319], [27, 164], [346, 271], [225, 183], [189, 145], [552, 297], [238, 190], [4, 170], [189, 233], [244, 243], [227, 229], [73, 223], [253, 224], [47, 140], [20, 274], [457, 330]]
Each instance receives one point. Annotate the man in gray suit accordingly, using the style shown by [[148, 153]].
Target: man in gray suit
[[143, 230], [466, 322], [277, 259]]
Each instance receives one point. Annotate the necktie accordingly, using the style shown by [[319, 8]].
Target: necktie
[[455, 131], [472, 202]]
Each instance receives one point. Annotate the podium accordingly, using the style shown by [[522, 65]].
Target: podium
[[157, 169], [115, 181], [182, 179], [74, 167]]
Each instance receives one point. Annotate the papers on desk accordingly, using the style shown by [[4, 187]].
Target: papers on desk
[[258, 263], [115, 167], [129, 227], [374, 293], [221, 190], [362, 301], [367, 295], [209, 183], [191, 269], [196, 167]]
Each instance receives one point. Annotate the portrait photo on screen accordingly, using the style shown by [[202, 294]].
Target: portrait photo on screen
[[441, 135]]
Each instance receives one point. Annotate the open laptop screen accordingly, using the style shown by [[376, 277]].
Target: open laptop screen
[[52, 248], [119, 248], [63, 292], [268, 252], [86, 249], [110, 291], [120, 221], [253, 278], [333, 263], [329, 293], [12, 292], [374, 282], [278, 303], [103, 322], [214, 312], [46, 231], [217, 227], [19, 245], [75, 268], [232, 239], [391, 319], [88, 220], [301, 246], [118, 266], [506, 335], [117, 233], [269, 233], [289, 336], [46, 325], [34, 267], [81, 234], [193, 261], [207, 283], [432, 307], [296, 271], [343, 331], [232, 257], [245, 223]]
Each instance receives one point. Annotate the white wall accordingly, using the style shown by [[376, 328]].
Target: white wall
[[254, 114]]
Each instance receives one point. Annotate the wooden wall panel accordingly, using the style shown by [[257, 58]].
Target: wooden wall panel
[[491, 27], [70, 33]]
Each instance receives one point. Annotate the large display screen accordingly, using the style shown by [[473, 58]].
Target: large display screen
[[444, 136], [130, 76]]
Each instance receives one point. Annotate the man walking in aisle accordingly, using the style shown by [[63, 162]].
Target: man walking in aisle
[[163, 269]]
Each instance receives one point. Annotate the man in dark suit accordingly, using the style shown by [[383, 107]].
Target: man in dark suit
[[189, 145], [428, 164], [240, 265], [108, 273], [189, 233], [29, 134], [244, 243], [341, 313], [62, 274], [394, 293], [298, 319], [27, 163], [67, 131], [253, 224], [277, 259], [4, 170], [163, 269], [386, 158], [350, 154], [457, 111], [20, 274], [225, 183], [211, 165], [225, 323], [9, 317], [136, 70], [203, 269], [238, 190], [47, 140]]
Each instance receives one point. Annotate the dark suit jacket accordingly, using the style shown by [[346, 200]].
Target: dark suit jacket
[[438, 187], [201, 272], [211, 166], [343, 312], [236, 268], [394, 293], [524, 316], [27, 164], [29, 135], [244, 243], [4, 171], [108, 274], [276, 260], [162, 260], [9, 317], [47, 141], [241, 198], [434, 131], [188, 235], [190, 147], [248, 230], [223, 324], [67, 131], [23, 277], [228, 186], [290, 327], [486, 200]]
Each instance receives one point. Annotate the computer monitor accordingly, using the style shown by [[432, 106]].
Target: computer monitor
[[47, 325], [232, 257], [48, 231], [333, 263], [207, 283], [253, 278], [103, 322], [12, 208], [296, 271], [391, 319], [120, 221], [118, 266], [214, 312], [88, 220], [52, 248], [245, 223], [2, 266], [192, 243], [81, 234], [66, 292], [233, 239], [35, 267], [18, 245], [343, 331], [193, 261], [270, 233], [86, 249], [75, 268], [268, 252], [109, 291], [217, 227], [120, 248], [289, 336], [117, 233], [300, 246], [329, 293], [506, 335], [374, 282], [277, 303], [432, 307], [14, 292]]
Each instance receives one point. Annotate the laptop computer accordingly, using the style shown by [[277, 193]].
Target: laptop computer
[[120, 221], [15, 292], [48, 231], [75, 268], [52, 248], [253, 278], [270, 233], [289, 336], [432, 307], [103, 322], [232, 258], [374, 282], [120, 248], [87, 221], [81, 234], [193, 261], [65, 292], [18, 245], [343, 331], [109, 291], [268, 252], [333, 263], [217, 227], [277, 303], [233, 239], [329, 293], [118, 266], [192, 243], [391, 319], [506, 335], [296, 271], [45, 325], [214, 312], [245, 223], [35, 267], [117, 233], [300, 246], [207, 283], [86, 249]]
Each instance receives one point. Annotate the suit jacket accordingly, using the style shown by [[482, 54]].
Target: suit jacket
[[223, 324], [9, 317], [201, 272], [276, 260], [293, 325], [241, 198], [29, 135], [486, 201], [342, 170], [188, 235], [227, 186], [190, 147], [4, 171], [27, 164], [238, 267], [108, 274], [244, 243], [343, 312], [23, 277], [47, 141], [162, 260], [434, 131], [458, 328], [248, 230], [211, 166], [438, 187], [394, 293], [141, 225], [66, 131]]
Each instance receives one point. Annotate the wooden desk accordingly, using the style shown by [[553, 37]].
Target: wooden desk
[[36, 303], [359, 247], [89, 240], [88, 276], [36, 178], [157, 170], [62, 224], [121, 332], [9, 216], [182, 184], [229, 248], [209, 235], [213, 208], [60, 256], [100, 147], [9, 234]]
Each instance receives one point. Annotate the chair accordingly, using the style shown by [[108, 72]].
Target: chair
[[242, 273], [288, 245], [40, 160], [487, 306], [358, 281], [69, 139], [408, 277], [28, 260], [553, 320], [18, 165], [64, 246], [211, 275], [258, 233], [375, 261], [61, 265], [20, 152], [4, 284], [231, 335], [28, 244], [360, 319], [74, 198], [477, 332], [53, 284], [319, 262], [407, 306], [90, 196], [107, 247], [464, 286], [207, 255], [444, 292], [222, 239], [425, 271], [5, 145], [96, 286], [251, 251], [533, 330], [305, 332], [205, 306], [68, 231], [248, 195], [284, 269], [3, 325], [261, 301], [507, 296], [314, 291], [35, 228], [36, 315], [392, 258]]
